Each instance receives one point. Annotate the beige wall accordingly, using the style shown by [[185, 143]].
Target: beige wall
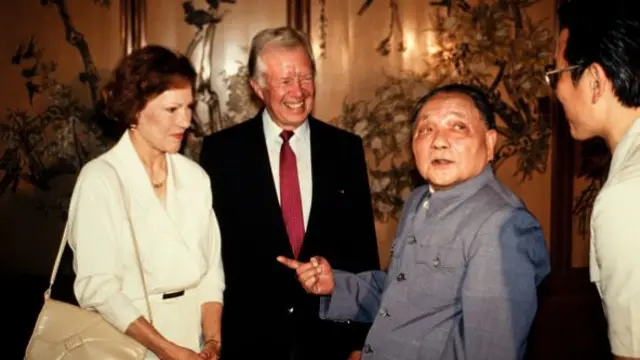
[[350, 71]]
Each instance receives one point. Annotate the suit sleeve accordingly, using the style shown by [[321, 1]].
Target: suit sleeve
[[211, 163], [207, 157], [507, 260], [356, 297], [362, 247], [95, 227], [212, 160]]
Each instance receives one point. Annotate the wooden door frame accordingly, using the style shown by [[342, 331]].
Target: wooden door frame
[[299, 15], [132, 24]]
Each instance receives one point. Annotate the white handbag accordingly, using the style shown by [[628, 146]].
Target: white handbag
[[68, 332]]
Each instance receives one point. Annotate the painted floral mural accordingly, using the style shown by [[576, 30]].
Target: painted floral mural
[[492, 44], [39, 148]]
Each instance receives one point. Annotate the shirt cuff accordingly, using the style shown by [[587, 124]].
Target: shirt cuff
[[119, 311], [341, 305], [211, 293], [212, 285], [325, 303]]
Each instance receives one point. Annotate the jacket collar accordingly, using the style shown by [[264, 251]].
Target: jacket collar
[[444, 201], [135, 177], [624, 147]]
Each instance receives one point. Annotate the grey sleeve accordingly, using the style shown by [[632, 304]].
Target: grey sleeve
[[506, 262], [356, 297]]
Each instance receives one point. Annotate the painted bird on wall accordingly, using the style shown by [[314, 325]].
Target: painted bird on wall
[[199, 17], [28, 58]]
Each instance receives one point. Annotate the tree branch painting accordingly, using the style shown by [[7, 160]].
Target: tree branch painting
[[57, 141]]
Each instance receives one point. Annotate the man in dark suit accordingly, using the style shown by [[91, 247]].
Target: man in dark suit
[[285, 183]]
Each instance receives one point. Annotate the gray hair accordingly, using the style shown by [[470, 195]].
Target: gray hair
[[280, 37]]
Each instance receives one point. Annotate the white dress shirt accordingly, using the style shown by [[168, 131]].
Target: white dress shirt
[[615, 245], [301, 145]]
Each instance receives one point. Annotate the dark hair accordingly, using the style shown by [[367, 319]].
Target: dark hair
[[607, 33], [138, 78], [480, 100]]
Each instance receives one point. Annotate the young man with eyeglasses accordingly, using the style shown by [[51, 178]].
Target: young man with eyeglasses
[[598, 83]]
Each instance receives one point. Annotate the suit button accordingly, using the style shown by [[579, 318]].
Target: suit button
[[436, 262], [401, 277], [367, 349], [383, 312], [290, 310], [412, 240]]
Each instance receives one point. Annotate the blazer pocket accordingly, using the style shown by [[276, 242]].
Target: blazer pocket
[[438, 275]]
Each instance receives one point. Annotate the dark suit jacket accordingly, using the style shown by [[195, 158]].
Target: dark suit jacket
[[266, 313]]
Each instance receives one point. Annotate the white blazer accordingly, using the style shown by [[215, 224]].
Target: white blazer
[[179, 244], [615, 245]]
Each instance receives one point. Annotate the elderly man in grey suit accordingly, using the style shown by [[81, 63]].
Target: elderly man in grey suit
[[467, 257]]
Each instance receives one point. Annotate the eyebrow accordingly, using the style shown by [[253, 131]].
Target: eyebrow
[[456, 113]]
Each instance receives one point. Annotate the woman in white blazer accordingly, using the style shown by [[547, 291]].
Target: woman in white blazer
[[167, 199]]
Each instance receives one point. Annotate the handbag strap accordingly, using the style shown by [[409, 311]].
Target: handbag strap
[[63, 242], [56, 264]]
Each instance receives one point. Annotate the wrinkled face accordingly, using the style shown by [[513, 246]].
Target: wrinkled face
[[164, 119], [576, 98], [287, 88], [451, 142]]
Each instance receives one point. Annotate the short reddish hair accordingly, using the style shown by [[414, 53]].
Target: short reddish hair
[[141, 76]]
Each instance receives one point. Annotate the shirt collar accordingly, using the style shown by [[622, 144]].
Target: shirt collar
[[126, 153], [465, 188], [272, 131], [624, 146]]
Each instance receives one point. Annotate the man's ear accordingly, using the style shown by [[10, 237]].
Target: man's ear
[[491, 138], [256, 88], [598, 82]]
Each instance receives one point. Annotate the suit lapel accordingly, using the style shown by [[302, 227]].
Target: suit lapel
[[319, 170]]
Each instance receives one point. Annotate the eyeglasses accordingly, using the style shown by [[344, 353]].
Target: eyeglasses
[[551, 76]]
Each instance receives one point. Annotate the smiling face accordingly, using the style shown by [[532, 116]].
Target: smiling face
[[161, 124], [287, 86], [451, 142]]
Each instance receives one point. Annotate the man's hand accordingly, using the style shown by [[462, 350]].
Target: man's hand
[[316, 276], [355, 355]]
